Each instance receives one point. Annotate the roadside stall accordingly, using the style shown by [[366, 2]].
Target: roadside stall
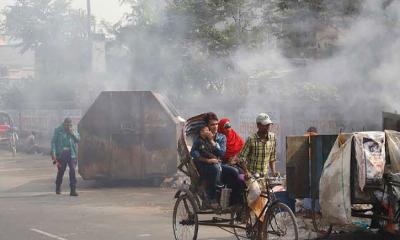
[[361, 180], [305, 159]]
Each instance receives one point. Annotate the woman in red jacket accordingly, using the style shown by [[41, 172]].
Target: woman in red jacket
[[234, 142], [232, 175]]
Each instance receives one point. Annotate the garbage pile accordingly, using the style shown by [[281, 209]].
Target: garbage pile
[[175, 181]]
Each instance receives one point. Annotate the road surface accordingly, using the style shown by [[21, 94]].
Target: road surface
[[31, 210]]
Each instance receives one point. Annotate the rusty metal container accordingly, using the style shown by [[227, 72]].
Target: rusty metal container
[[129, 135]]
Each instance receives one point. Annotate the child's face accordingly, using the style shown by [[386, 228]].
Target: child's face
[[204, 132]]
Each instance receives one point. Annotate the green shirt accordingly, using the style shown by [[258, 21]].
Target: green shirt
[[63, 140], [259, 153]]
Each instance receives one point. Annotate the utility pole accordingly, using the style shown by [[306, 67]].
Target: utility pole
[[89, 76], [89, 33], [238, 23], [89, 14]]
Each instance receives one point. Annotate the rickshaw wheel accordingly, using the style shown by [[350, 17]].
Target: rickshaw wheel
[[280, 223], [322, 228], [244, 218], [185, 221]]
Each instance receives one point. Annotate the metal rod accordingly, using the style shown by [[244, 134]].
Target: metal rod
[[88, 7], [205, 212], [220, 225], [216, 220]]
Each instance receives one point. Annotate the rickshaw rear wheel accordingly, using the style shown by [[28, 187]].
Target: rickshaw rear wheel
[[185, 221], [280, 223]]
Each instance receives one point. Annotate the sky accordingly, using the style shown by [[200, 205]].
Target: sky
[[108, 10]]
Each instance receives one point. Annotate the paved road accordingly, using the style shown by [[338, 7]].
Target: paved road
[[30, 210]]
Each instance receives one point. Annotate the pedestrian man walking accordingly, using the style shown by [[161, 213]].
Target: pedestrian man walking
[[64, 153]]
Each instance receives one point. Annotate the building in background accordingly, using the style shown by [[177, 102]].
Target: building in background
[[15, 66]]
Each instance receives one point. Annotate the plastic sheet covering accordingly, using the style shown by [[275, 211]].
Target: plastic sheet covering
[[334, 186], [370, 155], [254, 200], [254, 190], [393, 143]]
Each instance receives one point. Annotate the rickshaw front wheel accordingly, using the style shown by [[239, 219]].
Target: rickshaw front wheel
[[242, 221], [280, 223]]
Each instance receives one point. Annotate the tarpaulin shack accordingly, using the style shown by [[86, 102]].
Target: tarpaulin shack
[[129, 135]]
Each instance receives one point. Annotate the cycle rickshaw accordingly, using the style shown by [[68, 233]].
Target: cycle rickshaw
[[277, 221], [8, 134]]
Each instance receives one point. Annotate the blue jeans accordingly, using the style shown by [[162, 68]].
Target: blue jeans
[[230, 176], [66, 160], [211, 173]]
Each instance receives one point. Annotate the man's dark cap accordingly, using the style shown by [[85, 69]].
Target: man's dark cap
[[67, 120], [312, 130]]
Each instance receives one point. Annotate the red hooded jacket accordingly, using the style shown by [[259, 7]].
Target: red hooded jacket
[[234, 142]]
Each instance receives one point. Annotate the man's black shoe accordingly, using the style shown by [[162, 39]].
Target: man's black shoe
[[73, 192], [58, 190]]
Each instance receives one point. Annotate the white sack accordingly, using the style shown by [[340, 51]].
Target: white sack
[[334, 185]]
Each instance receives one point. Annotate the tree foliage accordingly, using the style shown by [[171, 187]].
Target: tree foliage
[[176, 46], [51, 28], [58, 36]]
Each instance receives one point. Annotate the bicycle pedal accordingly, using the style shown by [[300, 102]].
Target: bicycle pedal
[[216, 219]]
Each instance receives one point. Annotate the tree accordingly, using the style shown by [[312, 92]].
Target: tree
[[221, 26], [301, 20], [58, 36], [51, 29], [185, 46]]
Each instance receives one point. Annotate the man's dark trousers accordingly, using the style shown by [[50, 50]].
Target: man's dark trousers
[[66, 160]]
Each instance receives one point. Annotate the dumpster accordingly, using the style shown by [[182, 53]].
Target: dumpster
[[129, 135]]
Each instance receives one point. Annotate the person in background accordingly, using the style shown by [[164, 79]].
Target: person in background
[[307, 202], [31, 146], [311, 131], [64, 153]]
